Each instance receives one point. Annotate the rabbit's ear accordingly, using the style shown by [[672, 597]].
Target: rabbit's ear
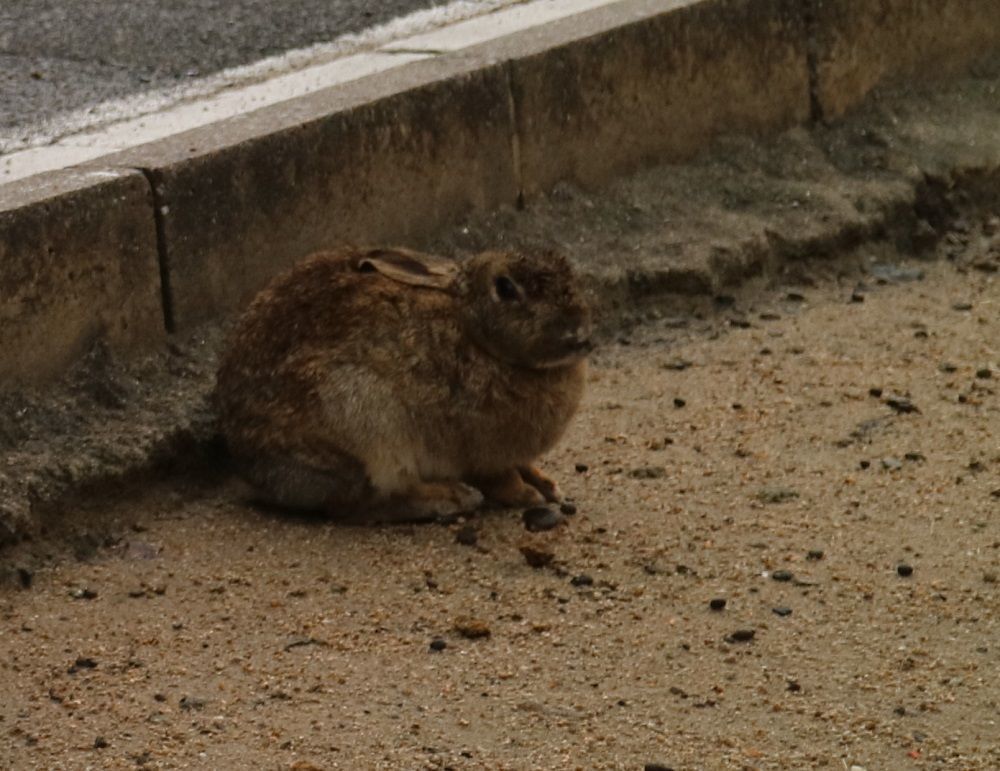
[[408, 267]]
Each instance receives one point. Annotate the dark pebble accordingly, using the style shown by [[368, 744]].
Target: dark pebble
[[437, 644], [82, 662], [857, 297], [904, 570], [567, 508], [782, 575], [100, 743], [814, 555], [876, 392], [740, 323], [83, 594], [902, 406], [865, 464], [795, 297], [581, 468], [962, 306], [582, 580], [188, 703], [535, 557], [541, 518], [678, 402], [656, 767], [947, 367], [742, 635], [467, 536], [984, 374], [794, 686], [915, 457], [781, 611], [718, 603]]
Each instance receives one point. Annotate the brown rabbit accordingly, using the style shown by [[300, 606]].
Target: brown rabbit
[[388, 384]]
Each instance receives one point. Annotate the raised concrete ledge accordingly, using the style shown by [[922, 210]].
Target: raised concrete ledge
[[389, 158], [78, 260], [625, 86], [398, 155], [859, 44]]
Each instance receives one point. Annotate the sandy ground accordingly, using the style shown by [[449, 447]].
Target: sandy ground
[[742, 456]]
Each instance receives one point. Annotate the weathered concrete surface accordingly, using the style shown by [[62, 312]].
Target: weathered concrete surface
[[390, 158], [861, 43], [612, 90], [78, 260]]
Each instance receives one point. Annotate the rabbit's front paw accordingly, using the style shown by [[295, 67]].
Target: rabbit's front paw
[[546, 486], [509, 489]]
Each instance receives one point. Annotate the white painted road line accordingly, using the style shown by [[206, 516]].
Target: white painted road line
[[294, 74]]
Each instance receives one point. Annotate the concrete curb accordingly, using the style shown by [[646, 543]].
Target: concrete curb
[[397, 156]]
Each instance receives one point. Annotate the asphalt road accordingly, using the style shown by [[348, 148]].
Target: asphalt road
[[60, 55]]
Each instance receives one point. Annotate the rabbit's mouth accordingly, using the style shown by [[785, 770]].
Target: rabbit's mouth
[[571, 351]]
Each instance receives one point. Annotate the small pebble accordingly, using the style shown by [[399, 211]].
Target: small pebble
[[189, 703], [962, 306], [582, 580], [82, 594], [782, 575], [865, 464], [902, 406], [437, 644], [814, 555], [915, 457], [718, 603], [984, 374], [904, 570], [794, 686], [472, 628], [857, 297], [467, 536], [82, 662], [781, 611], [567, 508], [536, 557], [100, 743], [876, 392], [947, 367], [581, 468], [648, 472], [741, 635], [892, 464], [656, 767], [541, 518], [678, 402]]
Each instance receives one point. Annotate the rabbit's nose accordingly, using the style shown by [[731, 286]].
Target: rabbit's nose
[[579, 340]]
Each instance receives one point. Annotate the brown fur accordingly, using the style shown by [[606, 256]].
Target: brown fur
[[348, 386]]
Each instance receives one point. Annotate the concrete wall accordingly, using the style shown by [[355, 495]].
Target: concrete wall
[[78, 260]]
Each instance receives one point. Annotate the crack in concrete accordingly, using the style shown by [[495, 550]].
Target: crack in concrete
[[162, 250]]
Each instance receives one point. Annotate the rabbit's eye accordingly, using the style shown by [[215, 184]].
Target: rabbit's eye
[[507, 289]]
